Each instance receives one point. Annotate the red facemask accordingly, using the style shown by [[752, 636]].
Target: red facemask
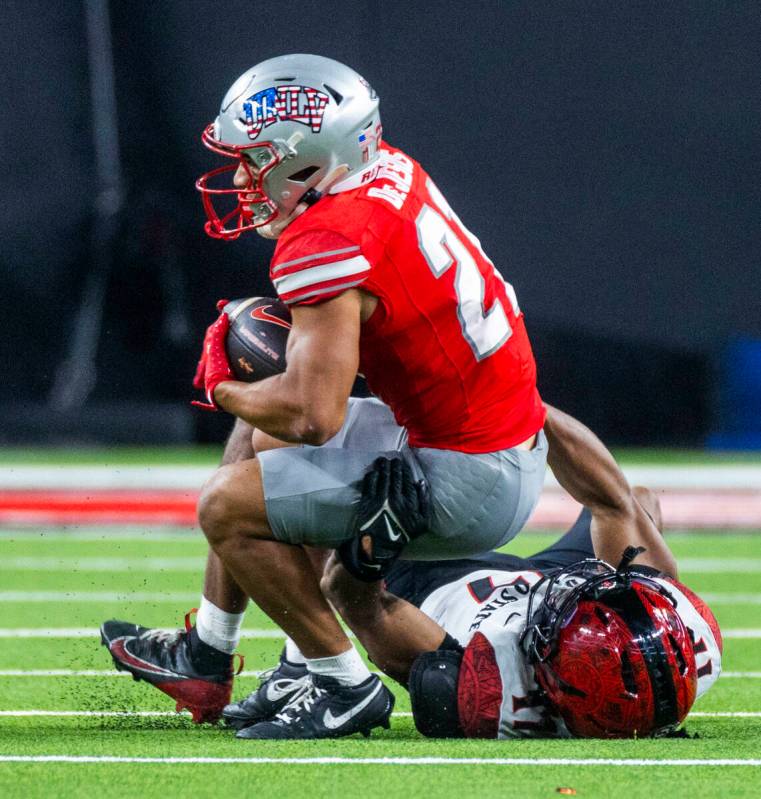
[[253, 208]]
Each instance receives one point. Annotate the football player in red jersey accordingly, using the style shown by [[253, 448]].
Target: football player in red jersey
[[381, 278]]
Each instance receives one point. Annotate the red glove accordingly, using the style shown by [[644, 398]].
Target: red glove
[[213, 367], [199, 381]]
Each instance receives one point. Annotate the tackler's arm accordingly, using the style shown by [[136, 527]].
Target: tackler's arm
[[586, 469]]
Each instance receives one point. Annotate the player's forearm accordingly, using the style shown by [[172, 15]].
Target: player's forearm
[[393, 631], [589, 473], [585, 468], [280, 407]]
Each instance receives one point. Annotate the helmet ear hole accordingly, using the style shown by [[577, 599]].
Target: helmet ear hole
[[303, 175], [627, 674], [680, 658], [336, 95], [602, 616]]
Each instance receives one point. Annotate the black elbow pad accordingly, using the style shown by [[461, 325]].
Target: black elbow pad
[[433, 691]]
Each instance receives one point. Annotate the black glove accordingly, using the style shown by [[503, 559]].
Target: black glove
[[394, 509]]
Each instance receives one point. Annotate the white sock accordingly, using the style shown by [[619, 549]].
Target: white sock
[[348, 667], [293, 653], [217, 627]]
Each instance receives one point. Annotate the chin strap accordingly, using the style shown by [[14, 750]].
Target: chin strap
[[274, 229], [630, 553]]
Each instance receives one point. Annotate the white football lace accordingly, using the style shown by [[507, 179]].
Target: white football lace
[[161, 636], [303, 701]]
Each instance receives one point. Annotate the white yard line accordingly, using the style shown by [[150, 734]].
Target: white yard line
[[157, 477], [384, 761], [99, 564], [740, 714], [100, 596], [730, 598], [100, 533], [179, 597], [106, 714], [725, 675], [91, 632], [196, 564], [78, 478], [720, 565], [745, 714]]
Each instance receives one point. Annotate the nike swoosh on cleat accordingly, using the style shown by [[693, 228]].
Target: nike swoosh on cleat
[[334, 722], [273, 692], [119, 649]]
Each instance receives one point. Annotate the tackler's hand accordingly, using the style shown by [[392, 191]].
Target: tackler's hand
[[213, 366], [394, 509]]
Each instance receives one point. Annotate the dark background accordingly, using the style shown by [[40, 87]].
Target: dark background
[[606, 154]]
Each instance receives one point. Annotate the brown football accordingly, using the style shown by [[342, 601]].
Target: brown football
[[257, 337]]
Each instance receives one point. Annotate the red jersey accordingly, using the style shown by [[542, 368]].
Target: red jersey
[[446, 347]]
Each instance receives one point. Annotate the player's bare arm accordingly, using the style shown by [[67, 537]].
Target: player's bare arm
[[306, 404], [585, 468], [392, 631]]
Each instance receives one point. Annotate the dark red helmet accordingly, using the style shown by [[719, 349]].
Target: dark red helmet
[[611, 653]]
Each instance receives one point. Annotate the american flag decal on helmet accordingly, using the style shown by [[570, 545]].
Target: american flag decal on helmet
[[284, 103]]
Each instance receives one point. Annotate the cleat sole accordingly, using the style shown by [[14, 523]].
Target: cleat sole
[[239, 724]]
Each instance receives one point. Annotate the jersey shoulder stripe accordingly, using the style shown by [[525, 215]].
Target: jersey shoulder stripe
[[318, 256], [322, 279]]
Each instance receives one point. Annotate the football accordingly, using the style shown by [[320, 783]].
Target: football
[[257, 337]]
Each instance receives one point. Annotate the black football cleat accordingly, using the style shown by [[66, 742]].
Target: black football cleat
[[198, 677], [327, 709], [277, 688]]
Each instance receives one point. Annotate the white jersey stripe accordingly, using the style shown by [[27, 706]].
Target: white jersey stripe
[[298, 296], [320, 274], [315, 256]]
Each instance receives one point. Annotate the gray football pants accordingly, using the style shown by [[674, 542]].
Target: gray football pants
[[479, 502]]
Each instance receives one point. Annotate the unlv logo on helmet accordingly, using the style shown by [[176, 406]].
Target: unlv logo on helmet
[[284, 103]]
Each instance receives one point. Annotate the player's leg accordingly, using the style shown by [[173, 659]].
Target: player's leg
[[278, 577], [478, 501], [194, 666], [342, 696], [223, 602], [368, 423]]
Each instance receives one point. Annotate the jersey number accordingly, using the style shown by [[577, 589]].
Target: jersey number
[[485, 331]]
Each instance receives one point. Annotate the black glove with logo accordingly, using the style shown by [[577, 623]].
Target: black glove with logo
[[394, 509]]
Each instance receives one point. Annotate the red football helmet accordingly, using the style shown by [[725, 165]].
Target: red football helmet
[[611, 653]]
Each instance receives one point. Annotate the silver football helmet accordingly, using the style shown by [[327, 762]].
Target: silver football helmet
[[297, 126]]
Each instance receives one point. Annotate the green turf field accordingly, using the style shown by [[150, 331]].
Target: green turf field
[[198, 455], [69, 581]]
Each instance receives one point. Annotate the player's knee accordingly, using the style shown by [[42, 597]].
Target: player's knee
[[351, 597], [215, 506], [333, 581], [650, 502]]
